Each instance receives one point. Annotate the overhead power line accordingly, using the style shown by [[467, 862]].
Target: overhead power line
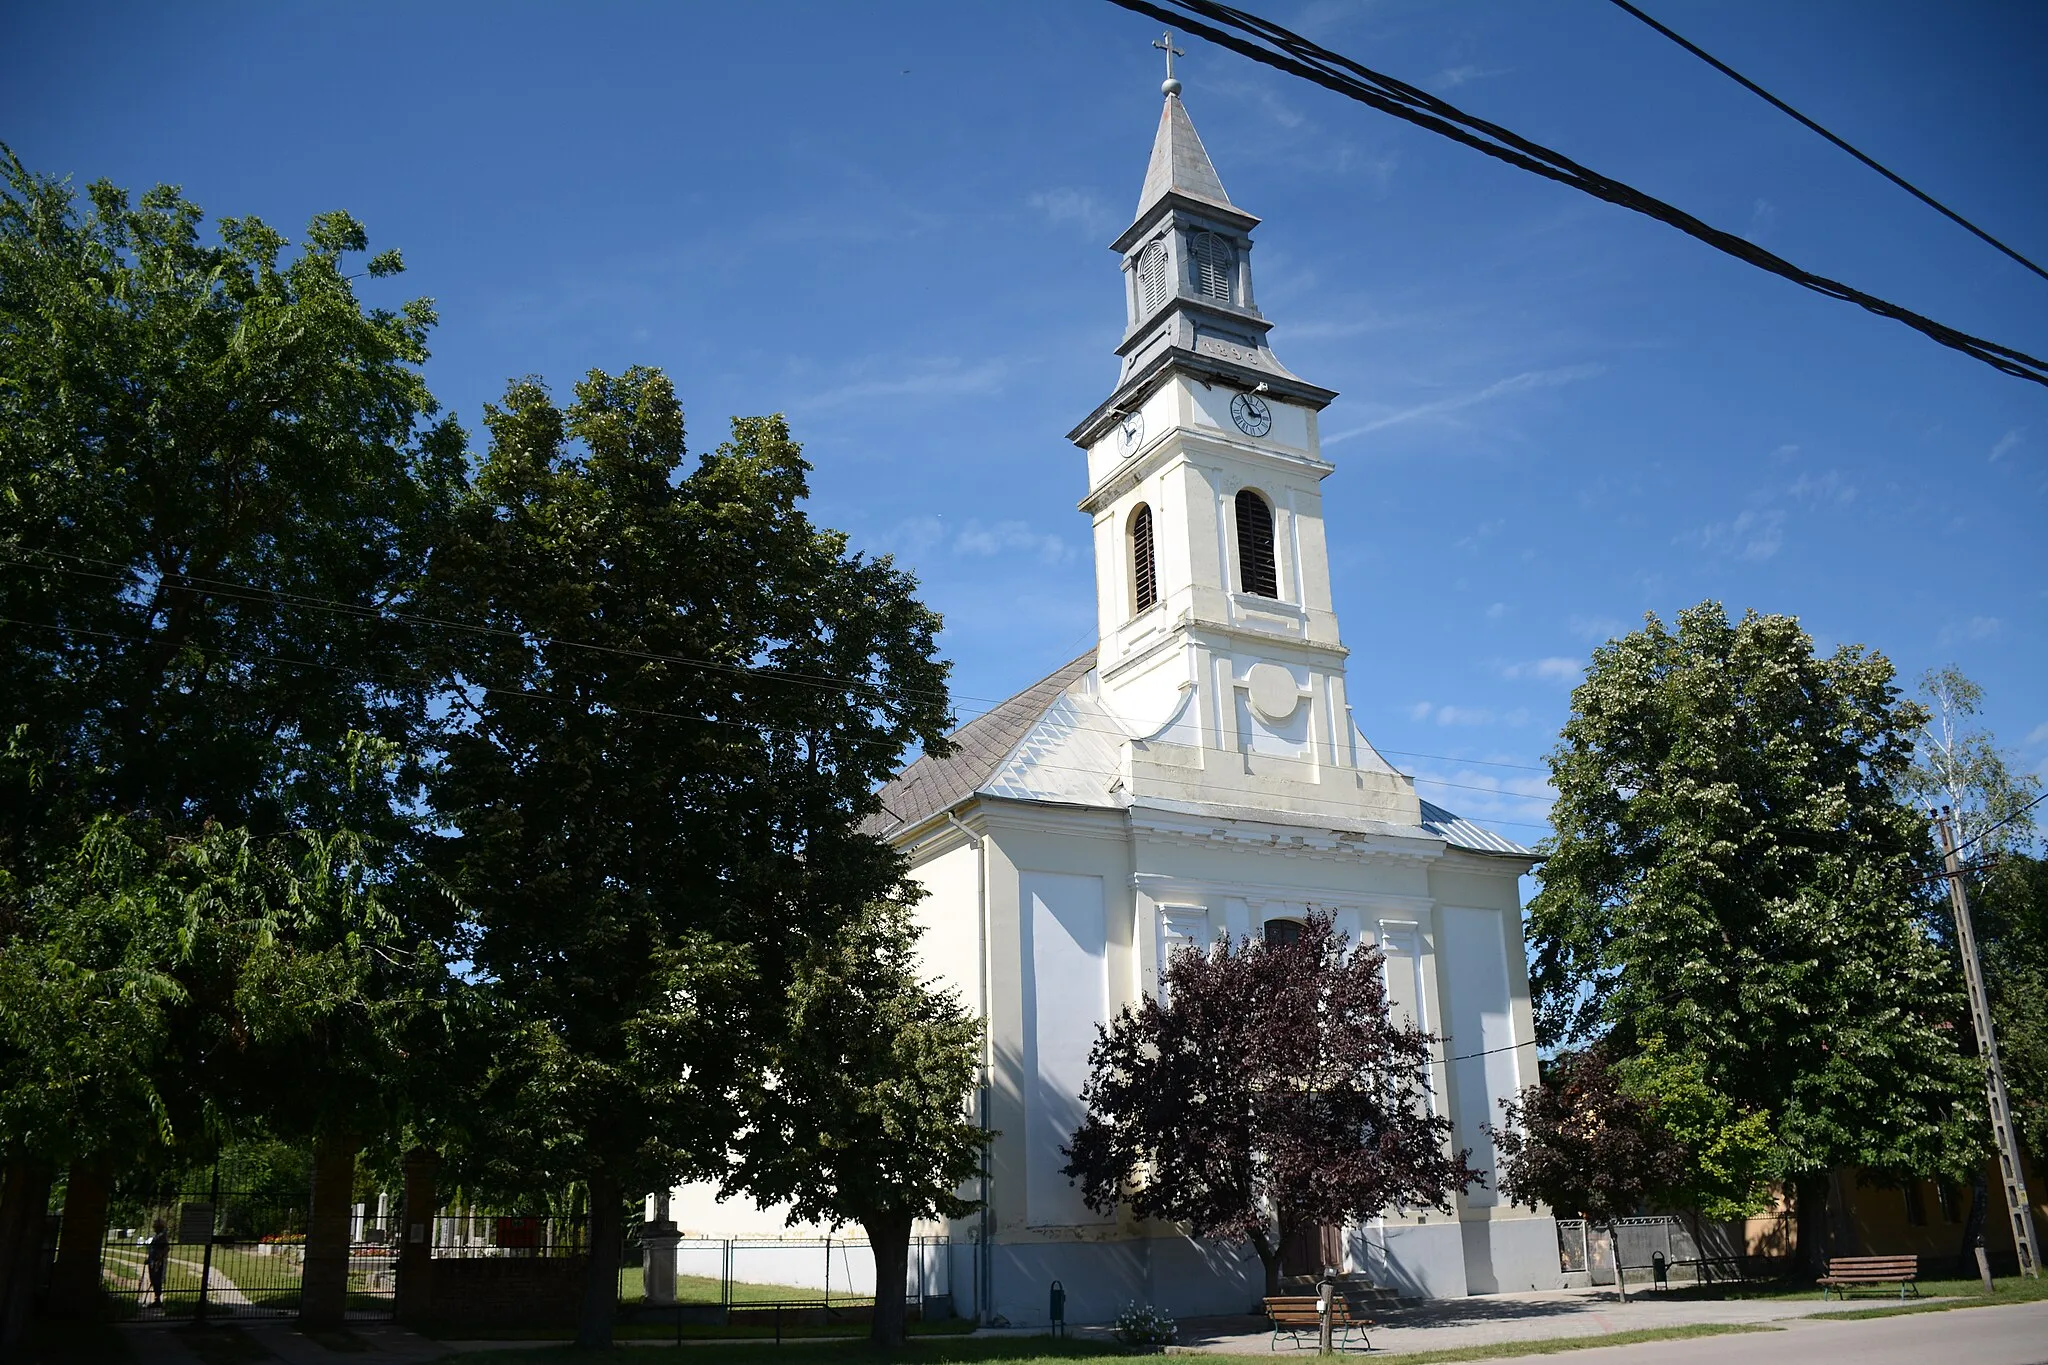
[[1746, 83], [1267, 42]]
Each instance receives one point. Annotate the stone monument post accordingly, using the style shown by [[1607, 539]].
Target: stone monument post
[[658, 1238]]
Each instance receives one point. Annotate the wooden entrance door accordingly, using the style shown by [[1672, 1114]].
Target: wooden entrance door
[[1311, 1249]]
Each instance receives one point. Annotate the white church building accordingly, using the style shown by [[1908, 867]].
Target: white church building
[[1197, 774]]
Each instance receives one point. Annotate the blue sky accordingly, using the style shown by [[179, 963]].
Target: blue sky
[[890, 222]]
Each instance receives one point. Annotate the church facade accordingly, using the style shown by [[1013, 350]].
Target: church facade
[[1199, 774]]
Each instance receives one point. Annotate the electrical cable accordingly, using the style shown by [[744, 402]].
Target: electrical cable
[[1291, 53], [1992, 829], [1763, 94]]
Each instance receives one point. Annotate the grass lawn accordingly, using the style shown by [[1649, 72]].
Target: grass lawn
[[1048, 1351], [704, 1289], [1881, 1299]]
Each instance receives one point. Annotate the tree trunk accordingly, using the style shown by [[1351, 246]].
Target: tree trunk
[[601, 1288], [889, 1240], [75, 1283], [1269, 1257], [323, 1295], [24, 1205], [1810, 1204], [413, 1295]]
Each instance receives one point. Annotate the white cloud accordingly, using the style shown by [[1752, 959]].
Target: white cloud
[[1463, 715], [1497, 611], [932, 379], [1976, 628], [1762, 218], [1828, 487], [1527, 381], [2038, 735], [1753, 537], [1556, 668], [1083, 208], [1451, 77], [1595, 629], [1006, 537], [1421, 710], [2007, 443]]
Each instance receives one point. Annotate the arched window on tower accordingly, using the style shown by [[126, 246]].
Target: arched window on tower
[[1209, 266], [1257, 575], [1281, 932], [1152, 281], [1144, 572]]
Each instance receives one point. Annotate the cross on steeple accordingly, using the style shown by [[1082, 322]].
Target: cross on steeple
[[1165, 43]]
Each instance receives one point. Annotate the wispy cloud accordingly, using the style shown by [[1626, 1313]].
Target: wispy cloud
[[1478, 794], [1752, 537], [2038, 735], [1498, 611], [1763, 216], [1082, 208], [1976, 628], [1451, 77], [1594, 629], [929, 380], [1461, 715], [1556, 668], [1012, 537], [1525, 382], [2007, 443], [1828, 487]]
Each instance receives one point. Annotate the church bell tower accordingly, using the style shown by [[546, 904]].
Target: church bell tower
[[1218, 643]]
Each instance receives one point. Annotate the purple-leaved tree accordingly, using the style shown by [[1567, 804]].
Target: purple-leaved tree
[[1265, 1090]]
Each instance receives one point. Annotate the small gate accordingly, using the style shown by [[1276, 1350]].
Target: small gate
[[233, 1246]]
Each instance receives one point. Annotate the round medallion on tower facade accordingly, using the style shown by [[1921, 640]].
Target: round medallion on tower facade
[[1274, 692]]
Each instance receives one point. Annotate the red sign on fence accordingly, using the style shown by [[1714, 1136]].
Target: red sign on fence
[[521, 1233]]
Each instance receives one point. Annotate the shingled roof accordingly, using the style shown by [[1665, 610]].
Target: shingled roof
[[931, 785]]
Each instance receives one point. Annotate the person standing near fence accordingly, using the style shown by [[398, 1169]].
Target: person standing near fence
[[157, 1260]]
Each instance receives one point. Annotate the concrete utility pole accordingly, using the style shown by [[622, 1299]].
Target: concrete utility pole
[[2002, 1138]]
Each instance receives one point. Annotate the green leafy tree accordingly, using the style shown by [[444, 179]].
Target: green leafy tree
[[674, 698], [2009, 902], [1959, 765], [859, 1117], [1736, 871], [219, 470]]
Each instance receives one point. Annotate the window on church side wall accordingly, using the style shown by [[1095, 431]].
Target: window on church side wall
[[1152, 290], [1257, 574], [1280, 932], [1144, 573], [1209, 266]]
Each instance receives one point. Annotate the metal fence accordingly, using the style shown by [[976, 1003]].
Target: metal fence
[[227, 1252], [1694, 1252], [740, 1273], [465, 1234]]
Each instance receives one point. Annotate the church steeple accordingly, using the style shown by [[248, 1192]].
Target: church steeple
[[1180, 164], [1218, 638]]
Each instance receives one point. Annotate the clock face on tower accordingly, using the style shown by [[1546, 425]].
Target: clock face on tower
[[1251, 414], [1133, 430]]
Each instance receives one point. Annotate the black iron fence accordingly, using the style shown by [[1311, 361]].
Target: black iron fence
[[1685, 1250]]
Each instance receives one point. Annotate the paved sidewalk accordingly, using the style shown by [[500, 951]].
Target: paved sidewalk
[[1499, 1318], [2015, 1334], [382, 1343]]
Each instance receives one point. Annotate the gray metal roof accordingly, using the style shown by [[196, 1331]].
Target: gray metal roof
[[1179, 162], [1459, 832], [931, 785]]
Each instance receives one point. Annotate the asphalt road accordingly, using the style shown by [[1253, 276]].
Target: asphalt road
[[1966, 1336]]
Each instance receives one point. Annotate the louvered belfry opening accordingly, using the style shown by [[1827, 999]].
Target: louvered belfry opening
[[1144, 575], [1209, 266], [1152, 273], [1255, 545]]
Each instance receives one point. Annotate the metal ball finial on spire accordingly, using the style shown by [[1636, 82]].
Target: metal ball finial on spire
[[1164, 41]]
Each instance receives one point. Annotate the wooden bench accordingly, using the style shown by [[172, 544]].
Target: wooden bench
[[1844, 1271], [1294, 1314]]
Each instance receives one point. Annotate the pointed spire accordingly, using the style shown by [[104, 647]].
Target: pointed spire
[[1179, 163]]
